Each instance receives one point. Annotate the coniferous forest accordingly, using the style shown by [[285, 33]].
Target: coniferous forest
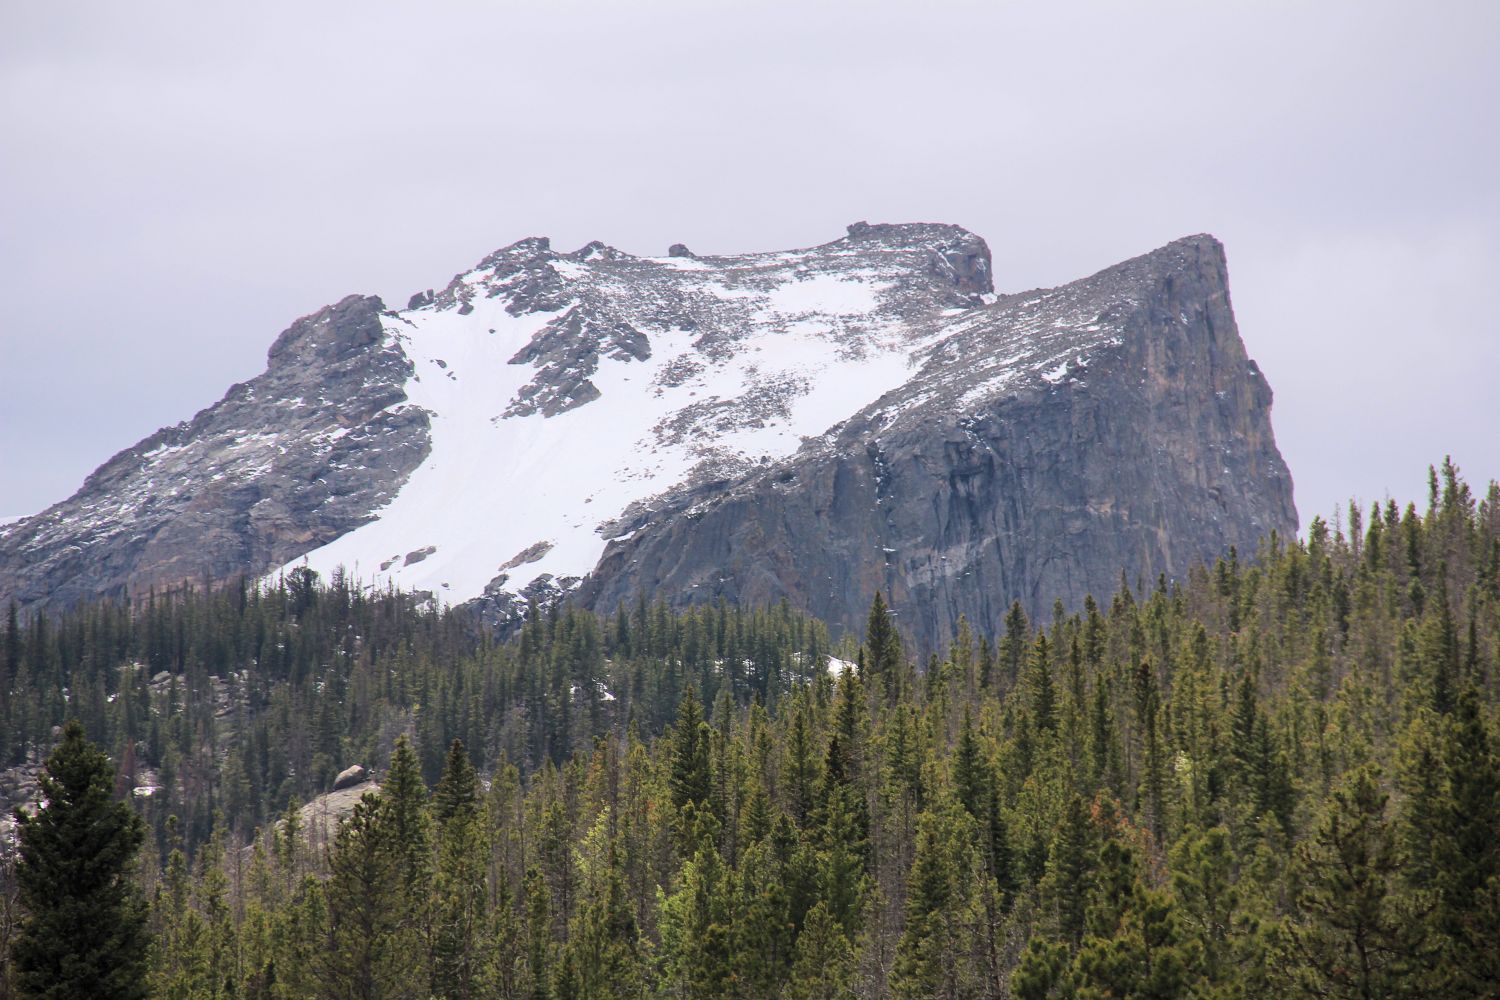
[[1278, 777]]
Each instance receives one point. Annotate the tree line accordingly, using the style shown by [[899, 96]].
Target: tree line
[[1276, 777]]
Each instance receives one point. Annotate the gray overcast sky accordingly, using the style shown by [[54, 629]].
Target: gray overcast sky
[[179, 181]]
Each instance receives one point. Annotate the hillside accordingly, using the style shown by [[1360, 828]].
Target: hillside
[[1156, 794]]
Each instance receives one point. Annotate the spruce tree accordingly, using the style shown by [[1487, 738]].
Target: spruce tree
[[883, 654], [458, 906], [824, 965], [84, 933], [1466, 852], [1351, 935], [370, 946]]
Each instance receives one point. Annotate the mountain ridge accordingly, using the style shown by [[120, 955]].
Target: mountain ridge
[[459, 446]]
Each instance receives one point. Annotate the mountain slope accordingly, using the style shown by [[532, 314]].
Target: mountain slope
[[810, 424], [1047, 441]]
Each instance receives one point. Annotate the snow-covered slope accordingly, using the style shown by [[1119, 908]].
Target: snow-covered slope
[[806, 425], [566, 391]]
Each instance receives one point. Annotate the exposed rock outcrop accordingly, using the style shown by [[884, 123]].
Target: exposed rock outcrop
[[812, 424], [989, 477], [283, 463]]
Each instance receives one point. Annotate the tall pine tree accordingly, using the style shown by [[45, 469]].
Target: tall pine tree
[[84, 935]]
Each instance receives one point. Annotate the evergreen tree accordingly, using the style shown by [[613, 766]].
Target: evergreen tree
[[538, 937], [884, 659], [1352, 936], [84, 933], [458, 789], [935, 956], [1069, 879], [459, 903], [370, 945], [824, 964], [605, 941], [1135, 945], [408, 820], [1043, 693], [1013, 646], [691, 779], [762, 929], [970, 772], [1466, 856], [1209, 900], [695, 927]]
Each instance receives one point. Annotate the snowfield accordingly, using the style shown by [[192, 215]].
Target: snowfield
[[777, 352]]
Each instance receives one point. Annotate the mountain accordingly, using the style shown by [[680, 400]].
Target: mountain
[[810, 424]]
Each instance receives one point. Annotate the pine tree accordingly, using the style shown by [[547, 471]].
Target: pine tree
[[1135, 945], [843, 843], [691, 779], [1013, 646], [935, 956], [408, 818], [538, 937], [762, 930], [1043, 693], [459, 903], [970, 772], [1203, 881], [884, 659], [605, 942], [1069, 879], [84, 935], [695, 927], [371, 947], [1352, 935], [458, 789], [1466, 855], [824, 965], [801, 765]]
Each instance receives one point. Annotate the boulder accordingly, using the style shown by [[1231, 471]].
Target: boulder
[[351, 776]]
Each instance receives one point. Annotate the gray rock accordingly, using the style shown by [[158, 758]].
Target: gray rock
[[1044, 442], [957, 498], [679, 250], [350, 776], [283, 463]]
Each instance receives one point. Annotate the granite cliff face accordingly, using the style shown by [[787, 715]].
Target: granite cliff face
[[813, 424], [990, 477], [287, 461]]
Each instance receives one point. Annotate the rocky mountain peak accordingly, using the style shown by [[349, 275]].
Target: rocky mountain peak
[[339, 331], [952, 250], [809, 424]]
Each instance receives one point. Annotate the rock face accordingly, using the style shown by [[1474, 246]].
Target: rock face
[[813, 424], [283, 463], [990, 477]]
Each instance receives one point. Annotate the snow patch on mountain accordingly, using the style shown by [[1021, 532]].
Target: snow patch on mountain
[[654, 374]]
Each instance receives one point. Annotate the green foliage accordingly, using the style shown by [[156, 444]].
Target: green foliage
[[1179, 790], [84, 934], [369, 934], [1351, 935], [1466, 855]]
